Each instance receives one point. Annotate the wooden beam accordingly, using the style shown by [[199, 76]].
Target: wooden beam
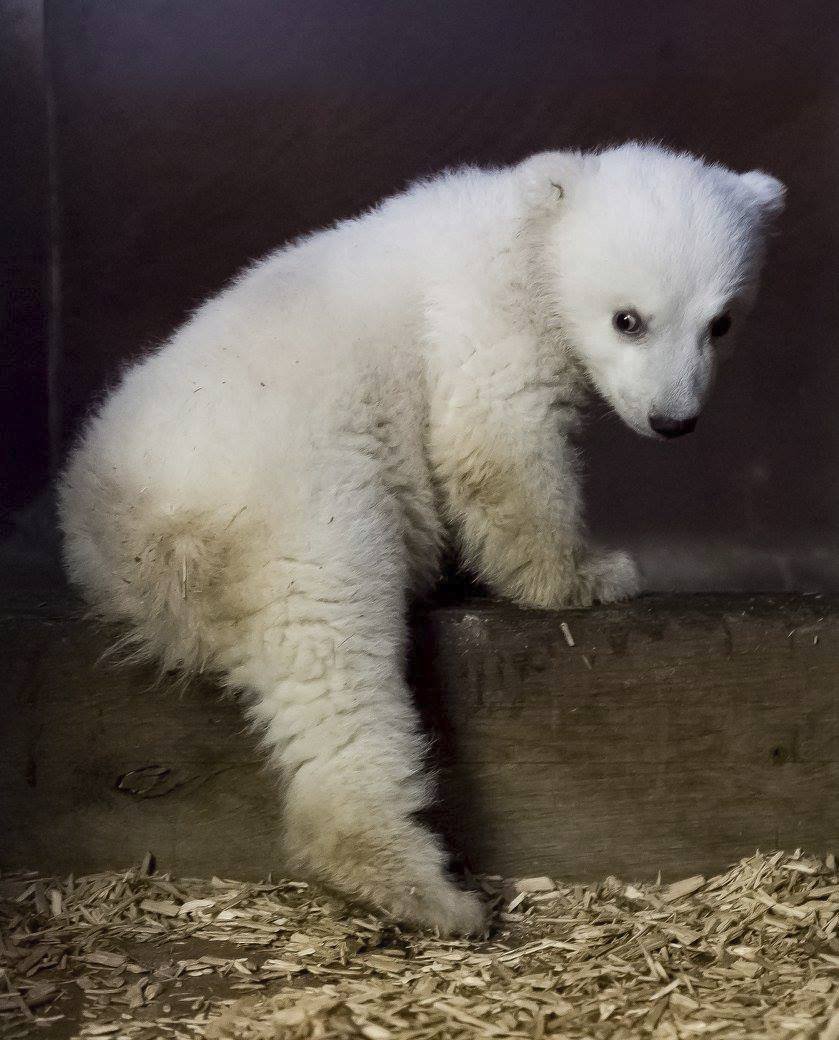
[[674, 735]]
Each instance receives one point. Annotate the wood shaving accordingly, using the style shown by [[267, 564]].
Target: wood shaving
[[752, 954]]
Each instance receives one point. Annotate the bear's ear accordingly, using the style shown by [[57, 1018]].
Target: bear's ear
[[549, 177], [765, 192]]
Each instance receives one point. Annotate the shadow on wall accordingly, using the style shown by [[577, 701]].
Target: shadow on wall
[[24, 375]]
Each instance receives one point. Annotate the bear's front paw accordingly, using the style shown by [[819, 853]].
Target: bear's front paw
[[576, 578], [610, 576]]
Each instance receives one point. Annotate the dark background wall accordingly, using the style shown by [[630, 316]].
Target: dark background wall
[[190, 137], [24, 255]]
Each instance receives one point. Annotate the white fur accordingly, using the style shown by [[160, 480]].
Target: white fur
[[262, 495]]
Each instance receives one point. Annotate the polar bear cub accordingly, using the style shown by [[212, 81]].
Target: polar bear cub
[[263, 494]]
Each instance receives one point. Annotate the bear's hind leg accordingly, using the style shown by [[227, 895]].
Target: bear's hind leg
[[327, 671]]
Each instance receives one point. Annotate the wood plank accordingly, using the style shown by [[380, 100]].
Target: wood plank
[[676, 734]]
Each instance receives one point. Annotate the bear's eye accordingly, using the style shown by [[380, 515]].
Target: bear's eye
[[628, 323], [720, 325]]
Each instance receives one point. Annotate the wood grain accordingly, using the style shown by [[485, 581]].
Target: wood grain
[[676, 734]]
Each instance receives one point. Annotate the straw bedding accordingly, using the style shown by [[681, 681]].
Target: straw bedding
[[752, 953]]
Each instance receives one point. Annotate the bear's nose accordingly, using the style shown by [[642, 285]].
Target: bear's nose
[[668, 427]]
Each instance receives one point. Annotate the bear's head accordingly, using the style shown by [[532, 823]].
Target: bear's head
[[651, 261]]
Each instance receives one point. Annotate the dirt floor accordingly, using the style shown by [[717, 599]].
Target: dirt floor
[[752, 953]]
